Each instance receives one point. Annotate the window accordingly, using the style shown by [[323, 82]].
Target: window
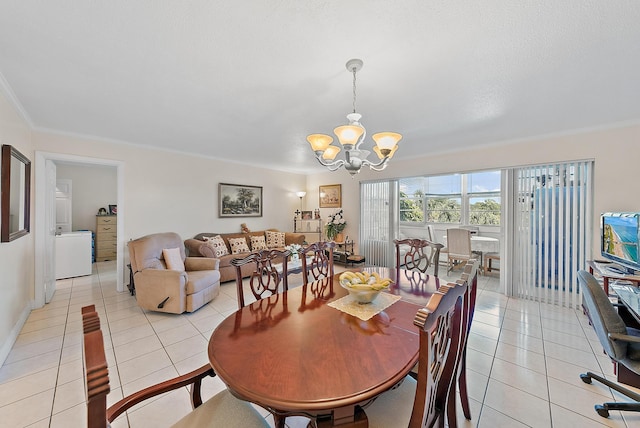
[[458, 198], [483, 193], [412, 200], [444, 199]]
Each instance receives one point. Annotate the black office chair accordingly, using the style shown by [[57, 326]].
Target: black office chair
[[620, 343]]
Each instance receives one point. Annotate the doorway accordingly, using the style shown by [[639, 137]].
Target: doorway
[[43, 245]]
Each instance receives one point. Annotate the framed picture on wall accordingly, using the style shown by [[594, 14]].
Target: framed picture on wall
[[238, 200], [331, 196]]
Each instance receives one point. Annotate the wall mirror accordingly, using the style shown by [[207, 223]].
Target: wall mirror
[[14, 194]]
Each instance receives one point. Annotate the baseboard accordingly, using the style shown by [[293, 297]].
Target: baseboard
[[15, 331]]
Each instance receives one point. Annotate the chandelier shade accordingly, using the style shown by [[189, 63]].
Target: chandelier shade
[[331, 152], [351, 136]]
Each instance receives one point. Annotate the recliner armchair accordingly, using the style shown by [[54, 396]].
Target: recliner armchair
[[175, 291]]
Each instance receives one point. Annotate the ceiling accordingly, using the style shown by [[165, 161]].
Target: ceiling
[[247, 80]]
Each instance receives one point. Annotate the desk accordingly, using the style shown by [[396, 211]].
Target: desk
[[292, 354], [629, 297], [601, 269]]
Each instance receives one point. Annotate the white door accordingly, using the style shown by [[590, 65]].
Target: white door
[[50, 232], [63, 205]]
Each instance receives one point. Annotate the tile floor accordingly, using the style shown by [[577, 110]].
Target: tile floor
[[524, 360]]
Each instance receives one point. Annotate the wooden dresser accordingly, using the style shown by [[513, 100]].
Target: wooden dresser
[[106, 237]]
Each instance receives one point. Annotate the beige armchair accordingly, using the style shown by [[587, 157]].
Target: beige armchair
[[159, 288]]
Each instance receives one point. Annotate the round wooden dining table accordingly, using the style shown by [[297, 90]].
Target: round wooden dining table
[[293, 354]]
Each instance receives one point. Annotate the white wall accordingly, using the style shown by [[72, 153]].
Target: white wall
[[170, 191], [616, 153], [16, 257], [93, 187]]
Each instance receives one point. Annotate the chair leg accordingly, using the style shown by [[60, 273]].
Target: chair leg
[[279, 420], [452, 417], [462, 385]]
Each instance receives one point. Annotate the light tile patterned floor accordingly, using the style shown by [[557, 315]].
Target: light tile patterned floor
[[524, 359]]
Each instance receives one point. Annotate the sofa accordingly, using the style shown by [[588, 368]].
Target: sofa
[[168, 281], [198, 247]]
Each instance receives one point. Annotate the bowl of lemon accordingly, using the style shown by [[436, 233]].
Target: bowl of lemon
[[363, 287]]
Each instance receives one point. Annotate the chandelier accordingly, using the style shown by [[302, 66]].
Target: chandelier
[[351, 136]]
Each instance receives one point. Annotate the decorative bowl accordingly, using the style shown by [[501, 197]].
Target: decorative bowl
[[361, 296], [363, 287]]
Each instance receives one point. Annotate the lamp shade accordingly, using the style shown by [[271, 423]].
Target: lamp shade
[[381, 156], [331, 152], [301, 194], [386, 140], [319, 142], [348, 134]]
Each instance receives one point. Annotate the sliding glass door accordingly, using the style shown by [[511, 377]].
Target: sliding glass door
[[551, 231]]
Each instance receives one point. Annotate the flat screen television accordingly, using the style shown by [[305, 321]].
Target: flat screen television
[[620, 238]]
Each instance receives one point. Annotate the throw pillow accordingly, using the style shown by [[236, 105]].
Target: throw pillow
[[217, 244], [275, 239], [258, 243], [173, 259], [238, 245]]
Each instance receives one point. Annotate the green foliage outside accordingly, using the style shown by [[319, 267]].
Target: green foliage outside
[[447, 210], [411, 209], [485, 212], [443, 210]]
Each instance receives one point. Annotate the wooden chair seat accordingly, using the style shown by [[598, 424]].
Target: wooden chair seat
[[222, 410], [393, 408]]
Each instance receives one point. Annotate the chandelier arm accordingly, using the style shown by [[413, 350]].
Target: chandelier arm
[[376, 166], [332, 166], [362, 137]]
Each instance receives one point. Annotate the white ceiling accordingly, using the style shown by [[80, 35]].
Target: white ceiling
[[248, 80]]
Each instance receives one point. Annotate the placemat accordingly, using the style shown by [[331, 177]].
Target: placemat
[[349, 305]]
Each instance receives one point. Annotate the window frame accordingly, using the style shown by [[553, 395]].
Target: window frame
[[465, 197]]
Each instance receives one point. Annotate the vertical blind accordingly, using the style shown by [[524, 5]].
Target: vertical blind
[[552, 231], [377, 224]]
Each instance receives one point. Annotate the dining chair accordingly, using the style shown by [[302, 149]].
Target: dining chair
[[459, 245], [265, 279], [431, 233], [317, 261], [620, 343], [221, 410], [421, 402], [415, 257]]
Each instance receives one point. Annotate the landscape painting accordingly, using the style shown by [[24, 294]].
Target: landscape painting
[[237, 200]]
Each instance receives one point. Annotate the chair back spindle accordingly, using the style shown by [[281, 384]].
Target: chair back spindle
[[265, 279], [416, 257], [317, 261]]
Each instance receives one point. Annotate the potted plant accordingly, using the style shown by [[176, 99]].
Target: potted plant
[[335, 225]]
